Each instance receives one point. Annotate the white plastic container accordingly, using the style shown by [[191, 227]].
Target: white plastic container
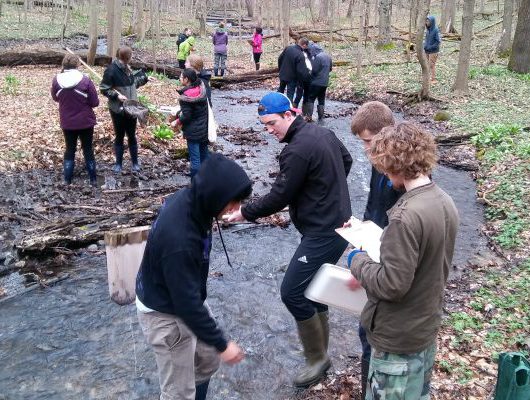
[[125, 249], [330, 286]]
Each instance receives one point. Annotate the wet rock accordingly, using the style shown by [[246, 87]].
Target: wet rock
[[276, 324], [3, 255], [101, 243], [92, 247], [20, 264], [8, 259]]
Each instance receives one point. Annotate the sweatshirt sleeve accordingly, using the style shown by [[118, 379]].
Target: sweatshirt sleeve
[[185, 112], [182, 275], [93, 99], [107, 84], [392, 278], [346, 156], [370, 203], [288, 183], [54, 89]]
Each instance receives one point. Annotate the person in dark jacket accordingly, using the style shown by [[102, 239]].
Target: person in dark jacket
[[193, 117], [431, 44], [303, 85], [171, 283], [77, 96], [367, 122], [119, 84], [322, 66], [293, 68], [220, 49], [183, 36], [197, 63], [312, 182]]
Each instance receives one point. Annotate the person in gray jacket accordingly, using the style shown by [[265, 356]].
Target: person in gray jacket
[[322, 66], [119, 84]]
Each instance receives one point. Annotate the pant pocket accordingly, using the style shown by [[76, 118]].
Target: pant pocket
[[388, 379], [163, 333]]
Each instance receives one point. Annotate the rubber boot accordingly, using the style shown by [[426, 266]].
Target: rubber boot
[[365, 367], [222, 72], [307, 111], [320, 112], [201, 390], [257, 66], [68, 171], [324, 322], [316, 357], [91, 169], [133, 150], [215, 72], [118, 151]]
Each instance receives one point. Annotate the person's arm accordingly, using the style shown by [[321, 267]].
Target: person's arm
[[317, 66], [293, 170], [54, 89], [185, 112], [182, 275], [107, 84], [370, 203], [140, 78], [390, 279], [226, 38], [301, 68], [346, 156], [93, 99], [280, 59]]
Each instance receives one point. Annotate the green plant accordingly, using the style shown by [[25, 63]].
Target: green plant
[[388, 46], [11, 85], [495, 134], [164, 132], [462, 321]]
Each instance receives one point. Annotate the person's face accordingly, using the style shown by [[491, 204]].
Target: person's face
[[397, 181], [188, 32], [427, 22], [187, 64], [277, 125], [230, 208], [366, 136], [185, 81], [303, 46]]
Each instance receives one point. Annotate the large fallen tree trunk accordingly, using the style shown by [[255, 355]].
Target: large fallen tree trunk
[[254, 76]]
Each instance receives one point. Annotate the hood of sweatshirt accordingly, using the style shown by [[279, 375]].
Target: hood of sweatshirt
[[219, 181], [191, 40], [315, 49], [69, 78], [193, 94], [432, 19]]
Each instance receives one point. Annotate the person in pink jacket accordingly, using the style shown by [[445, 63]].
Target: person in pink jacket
[[256, 42]]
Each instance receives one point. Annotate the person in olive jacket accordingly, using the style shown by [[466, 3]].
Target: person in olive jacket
[[118, 85]]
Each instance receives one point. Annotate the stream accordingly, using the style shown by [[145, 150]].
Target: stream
[[69, 341]]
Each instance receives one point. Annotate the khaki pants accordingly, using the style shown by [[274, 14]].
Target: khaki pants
[[182, 360], [432, 64]]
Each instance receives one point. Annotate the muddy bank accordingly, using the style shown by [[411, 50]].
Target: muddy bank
[[70, 341]]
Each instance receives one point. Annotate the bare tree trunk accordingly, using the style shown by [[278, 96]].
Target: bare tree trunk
[[414, 4], [360, 42], [93, 32], [65, 21], [324, 10], [482, 4], [385, 36], [117, 24], [506, 38], [139, 22], [462, 72], [331, 19], [26, 6], [423, 11], [250, 4], [351, 4], [520, 56], [285, 22], [448, 16], [111, 9], [366, 20]]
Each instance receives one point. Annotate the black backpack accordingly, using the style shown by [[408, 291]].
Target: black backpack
[[182, 37]]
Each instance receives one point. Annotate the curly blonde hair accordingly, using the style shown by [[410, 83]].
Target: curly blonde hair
[[404, 150]]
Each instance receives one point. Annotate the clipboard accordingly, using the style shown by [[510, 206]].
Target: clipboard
[[365, 235]]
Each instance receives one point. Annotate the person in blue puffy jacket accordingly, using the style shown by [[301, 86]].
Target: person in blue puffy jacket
[[431, 45]]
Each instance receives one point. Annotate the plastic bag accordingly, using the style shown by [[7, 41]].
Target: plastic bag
[[212, 126]]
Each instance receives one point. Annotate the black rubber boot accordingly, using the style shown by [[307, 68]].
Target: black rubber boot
[[257, 66], [215, 72], [118, 151], [222, 72], [324, 322], [365, 367], [201, 390], [316, 357], [307, 111], [133, 150], [320, 112], [68, 171], [91, 169]]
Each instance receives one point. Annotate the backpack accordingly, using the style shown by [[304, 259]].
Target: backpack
[[513, 382], [182, 37]]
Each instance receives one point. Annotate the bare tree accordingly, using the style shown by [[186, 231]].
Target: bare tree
[[520, 56], [385, 13], [323, 14], [506, 36], [447, 21], [92, 32], [423, 11], [285, 22], [351, 4], [139, 19], [462, 72]]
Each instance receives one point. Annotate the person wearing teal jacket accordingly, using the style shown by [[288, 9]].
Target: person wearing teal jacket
[[185, 48]]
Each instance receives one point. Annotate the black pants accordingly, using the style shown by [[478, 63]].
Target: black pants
[[182, 64], [257, 57], [302, 90], [308, 257], [317, 92], [291, 87], [70, 138], [124, 125]]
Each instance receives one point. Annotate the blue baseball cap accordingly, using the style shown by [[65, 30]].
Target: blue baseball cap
[[275, 103]]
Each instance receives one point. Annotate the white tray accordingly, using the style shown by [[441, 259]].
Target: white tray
[[330, 286]]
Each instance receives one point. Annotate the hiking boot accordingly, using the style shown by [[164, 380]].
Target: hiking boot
[[316, 358], [307, 111], [324, 322], [257, 66], [68, 171], [133, 150], [215, 72], [118, 152], [91, 169], [222, 72], [320, 112]]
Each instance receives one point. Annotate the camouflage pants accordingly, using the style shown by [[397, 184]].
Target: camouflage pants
[[400, 376]]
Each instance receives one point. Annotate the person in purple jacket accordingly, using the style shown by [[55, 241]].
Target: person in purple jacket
[[77, 96], [220, 44]]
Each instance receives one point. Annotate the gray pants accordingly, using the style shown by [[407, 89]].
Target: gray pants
[[219, 61], [182, 360]]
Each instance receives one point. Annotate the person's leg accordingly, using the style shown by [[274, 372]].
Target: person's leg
[[400, 376], [321, 95], [283, 85], [299, 94], [174, 346], [365, 360], [223, 64], [132, 142], [86, 136], [182, 64], [70, 139], [291, 87], [432, 63], [310, 95], [257, 57], [203, 151], [119, 130], [194, 156], [216, 61]]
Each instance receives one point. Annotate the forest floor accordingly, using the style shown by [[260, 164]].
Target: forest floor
[[488, 308]]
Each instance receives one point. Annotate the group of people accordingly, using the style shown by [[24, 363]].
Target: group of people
[[400, 321]]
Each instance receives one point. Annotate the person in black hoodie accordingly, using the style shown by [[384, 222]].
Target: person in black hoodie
[[119, 84], [367, 122], [312, 181], [293, 68], [171, 283]]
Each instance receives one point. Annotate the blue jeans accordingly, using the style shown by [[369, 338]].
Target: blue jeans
[[198, 153]]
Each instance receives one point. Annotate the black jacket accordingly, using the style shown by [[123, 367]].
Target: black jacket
[[381, 198], [194, 114], [312, 181], [172, 276], [291, 63], [205, 78]]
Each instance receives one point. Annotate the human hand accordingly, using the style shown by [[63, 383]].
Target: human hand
[[233, 354], [236, 216], [121, 97], [354, 284], [151, 79], [352, 254], [347, 224]]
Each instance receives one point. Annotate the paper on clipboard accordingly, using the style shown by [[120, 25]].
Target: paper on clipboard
[[365, 235]]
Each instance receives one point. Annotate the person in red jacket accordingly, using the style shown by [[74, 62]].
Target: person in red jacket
[[77, 96]]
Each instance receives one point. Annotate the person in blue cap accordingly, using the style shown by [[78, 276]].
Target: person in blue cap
[[431, 45], [312, 182]]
